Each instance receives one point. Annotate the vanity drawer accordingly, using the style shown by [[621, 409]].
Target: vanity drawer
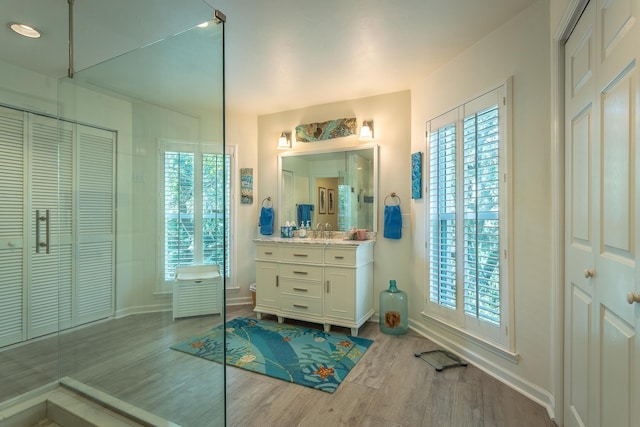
[[302, 306], [298, 288], [302, 253], [300, 271], [339, 256], [267, 252]]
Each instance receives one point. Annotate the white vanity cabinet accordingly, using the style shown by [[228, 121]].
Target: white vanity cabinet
[[315, 281]]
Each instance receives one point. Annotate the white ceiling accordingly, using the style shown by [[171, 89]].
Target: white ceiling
[[280, 55]]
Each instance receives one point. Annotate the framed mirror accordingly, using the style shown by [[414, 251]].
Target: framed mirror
[[331, 186]]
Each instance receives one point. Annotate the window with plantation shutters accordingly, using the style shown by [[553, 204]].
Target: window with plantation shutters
[[468, 286], [196, 182]]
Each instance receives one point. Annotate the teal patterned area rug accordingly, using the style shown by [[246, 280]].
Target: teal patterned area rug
[[301, 355]]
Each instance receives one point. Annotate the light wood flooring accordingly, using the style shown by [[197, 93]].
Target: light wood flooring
[[130, 359]]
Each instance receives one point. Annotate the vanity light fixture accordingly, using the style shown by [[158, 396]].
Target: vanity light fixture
[[284, 142], [25, 30], [366, 131]]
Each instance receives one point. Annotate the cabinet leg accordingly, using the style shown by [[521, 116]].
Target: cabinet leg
[[327, 327], [280, 319], [258, 315], [354, 332]]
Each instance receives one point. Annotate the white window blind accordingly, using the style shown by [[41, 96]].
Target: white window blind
[[443, 216], [196, 219], [481, 216], [467, 216]]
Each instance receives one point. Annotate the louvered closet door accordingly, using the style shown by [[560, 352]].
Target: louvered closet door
[[67, 170], [12, 235], [96, 224], [50, 158]]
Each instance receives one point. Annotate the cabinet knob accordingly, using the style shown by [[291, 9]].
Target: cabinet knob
[[589, 273]]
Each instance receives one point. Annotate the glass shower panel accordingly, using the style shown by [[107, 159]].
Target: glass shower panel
[[149, 196]]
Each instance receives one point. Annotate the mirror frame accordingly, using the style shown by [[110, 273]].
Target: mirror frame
[[325, 150]]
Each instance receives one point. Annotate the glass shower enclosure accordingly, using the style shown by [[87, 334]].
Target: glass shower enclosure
[[108, 215]]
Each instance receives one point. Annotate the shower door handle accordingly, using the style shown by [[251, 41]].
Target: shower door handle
[[44, 218]]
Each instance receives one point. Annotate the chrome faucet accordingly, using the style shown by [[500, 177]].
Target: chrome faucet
[[320, 230], [327, 228]]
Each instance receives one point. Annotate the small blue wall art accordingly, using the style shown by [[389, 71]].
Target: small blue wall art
[[246, 186], [416, 175]]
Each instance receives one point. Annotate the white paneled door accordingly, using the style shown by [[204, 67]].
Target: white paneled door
[[56, 225], [602, 321]]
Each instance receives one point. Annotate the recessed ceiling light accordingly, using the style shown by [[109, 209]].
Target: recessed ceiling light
[[25, 30]]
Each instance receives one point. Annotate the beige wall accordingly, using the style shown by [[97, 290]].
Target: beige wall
[[521, 49], [242, 131], [558, 12]]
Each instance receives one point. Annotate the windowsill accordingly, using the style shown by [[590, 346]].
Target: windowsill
[[485, 345]]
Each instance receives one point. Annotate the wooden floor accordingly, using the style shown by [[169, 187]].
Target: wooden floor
[[130, 359]]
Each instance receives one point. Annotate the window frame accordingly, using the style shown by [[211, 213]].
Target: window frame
[[165, 286], [499, 339]]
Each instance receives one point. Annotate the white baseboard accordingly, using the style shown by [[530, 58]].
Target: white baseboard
[[141, 309], [239, 301]]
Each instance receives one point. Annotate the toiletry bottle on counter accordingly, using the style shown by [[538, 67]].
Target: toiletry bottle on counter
[[302, 232]]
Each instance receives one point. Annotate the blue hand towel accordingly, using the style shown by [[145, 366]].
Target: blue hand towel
[[392, 222], [266, 221], [304, 212]]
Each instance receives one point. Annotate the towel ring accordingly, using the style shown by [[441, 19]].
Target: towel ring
[[393, 196], [268, 200]]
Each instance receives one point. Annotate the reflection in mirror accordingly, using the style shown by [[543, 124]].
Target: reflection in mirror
[[337, 187]]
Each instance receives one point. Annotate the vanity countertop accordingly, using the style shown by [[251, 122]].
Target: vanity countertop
[[308, 241]]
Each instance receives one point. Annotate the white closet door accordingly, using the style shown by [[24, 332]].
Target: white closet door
[[12, 212], [602, 367], [49, 292], [95, 225], [67, 170]]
